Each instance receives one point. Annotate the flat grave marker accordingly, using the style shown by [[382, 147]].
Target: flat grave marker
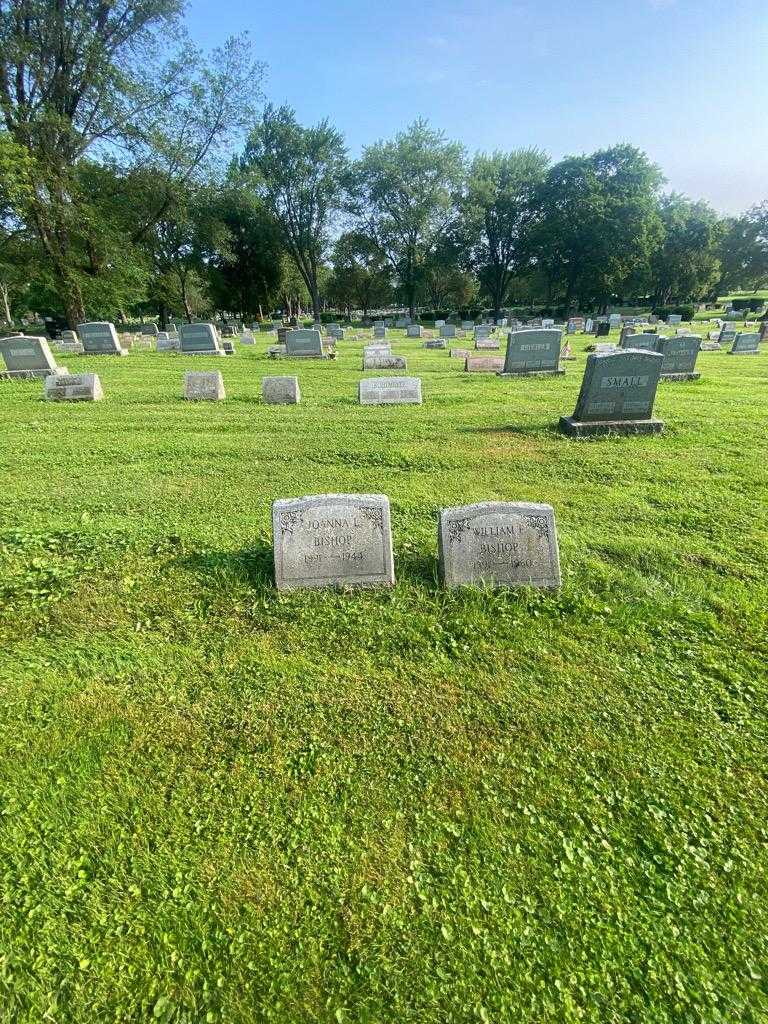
[[332, 540], [390, 391], [206, 386], [499, 544], [483, 364], [73, 387], [280, 390]]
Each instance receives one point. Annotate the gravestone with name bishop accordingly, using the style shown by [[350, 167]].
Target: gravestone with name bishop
[[390, 391], [533, 352], [332, 540], [100, 339], [745, 345], [499, 544], [27, 358], [199, 340], [617, 395], [680, 355]]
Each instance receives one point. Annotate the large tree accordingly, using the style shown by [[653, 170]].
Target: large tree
[[300, 174], [685, 266], [406, 195], [75, 78], [596, 222], [743, 251], [497, 214], [360, 271]]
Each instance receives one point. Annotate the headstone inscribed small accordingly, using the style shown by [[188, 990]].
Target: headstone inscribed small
[[679, 357], [332, 540], [100, 339], [448, 331], [467, 325], [460, 353], [745, 345], [603, 330], [199, 340], [304, 344], [149, 329], [28, 357], [482, 331], [483, 364], [204, 387], [674, 318], [74, 387], [492, 344], [390, 391], [533, 352], [379, 331], [617, 395], [280, 390], [413, 331], [439, 323], [435, 343], [499, 544], [247, 338]]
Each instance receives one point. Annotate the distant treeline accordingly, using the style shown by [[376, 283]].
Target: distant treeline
[[125, 194]]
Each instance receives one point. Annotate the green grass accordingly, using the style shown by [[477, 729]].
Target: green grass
[[224, 804]]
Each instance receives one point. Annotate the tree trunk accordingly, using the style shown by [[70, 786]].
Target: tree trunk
[[315, 303], [6, 307], [163, 317]]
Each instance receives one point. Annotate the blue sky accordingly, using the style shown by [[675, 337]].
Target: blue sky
[[686, 80]]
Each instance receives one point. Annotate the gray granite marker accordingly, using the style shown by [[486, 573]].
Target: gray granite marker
[[100, 339], [280, 390], [745, 345], [460, 353], [73, 387], [499, 543], [304, 344], [640, 342], [435, 343], [207, 386], [413, 331], [199, 340], [490, 343], [533, 352], [390, 391], [447, 331], [617, 395], [28, 357], [332, 540], [679, 357]]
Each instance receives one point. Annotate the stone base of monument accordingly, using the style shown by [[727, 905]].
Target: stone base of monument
[[755, 353], [575, 428], [567, 359], [559, 372], [680, 376], [33, 374], [204, 352]]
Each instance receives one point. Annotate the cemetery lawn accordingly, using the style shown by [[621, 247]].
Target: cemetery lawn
[[224, 804]]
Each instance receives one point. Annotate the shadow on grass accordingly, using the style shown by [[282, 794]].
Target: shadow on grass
[[549, 429], [419, 569], [253, 565]]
